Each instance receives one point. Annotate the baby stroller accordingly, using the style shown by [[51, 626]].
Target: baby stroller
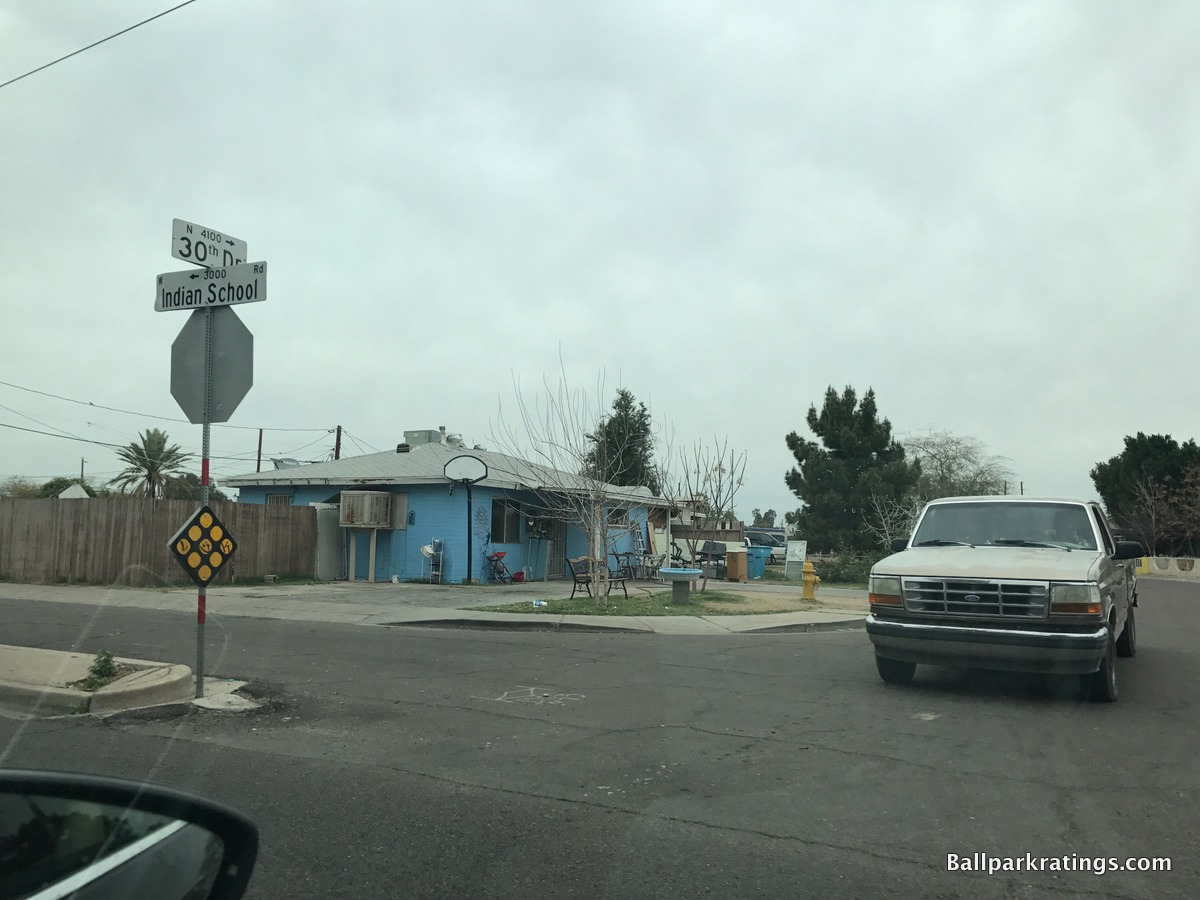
[[497, 569]]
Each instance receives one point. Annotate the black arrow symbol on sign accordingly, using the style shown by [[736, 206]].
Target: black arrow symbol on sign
[[197, 275], [229, 242]]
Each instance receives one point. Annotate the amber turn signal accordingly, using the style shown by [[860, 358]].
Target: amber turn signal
[[1085, 609]]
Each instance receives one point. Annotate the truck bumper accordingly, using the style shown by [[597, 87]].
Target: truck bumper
[[981, 647]]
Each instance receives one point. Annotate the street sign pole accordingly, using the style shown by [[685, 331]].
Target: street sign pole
[[202, 546], [202, 597]]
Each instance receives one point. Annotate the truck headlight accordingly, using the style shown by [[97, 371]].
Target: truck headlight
[[884, 590], [1075, 599]]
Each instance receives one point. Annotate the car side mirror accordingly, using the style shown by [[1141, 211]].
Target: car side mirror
[[1129, 550], [89, 836], [899, 544]]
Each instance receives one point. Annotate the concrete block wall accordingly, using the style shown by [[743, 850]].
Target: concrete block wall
[[1169, 567]]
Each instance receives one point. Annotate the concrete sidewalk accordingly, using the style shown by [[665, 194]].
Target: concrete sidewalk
[[362, 603]]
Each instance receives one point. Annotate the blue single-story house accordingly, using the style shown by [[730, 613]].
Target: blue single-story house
[[377, 513]]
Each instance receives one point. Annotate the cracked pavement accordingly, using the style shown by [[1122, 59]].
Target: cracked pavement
[[425, 762]]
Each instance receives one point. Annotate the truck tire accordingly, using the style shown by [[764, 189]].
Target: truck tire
[[1127, 642], [1101, 686], [894, 671]]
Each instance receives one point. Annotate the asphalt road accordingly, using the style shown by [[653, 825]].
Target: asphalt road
[[420, 762]]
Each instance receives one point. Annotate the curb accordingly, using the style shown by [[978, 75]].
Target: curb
[[145, 687], [810, 627], [517, 625], [53, 700], [481, 624]]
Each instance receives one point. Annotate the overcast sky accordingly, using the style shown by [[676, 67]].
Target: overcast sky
[[986, 211]]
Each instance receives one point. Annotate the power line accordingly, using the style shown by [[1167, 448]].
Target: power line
[[65, 437], [305, 447], [356, 442], [130, 412], [68, 437], [17, 412], [96, 43]]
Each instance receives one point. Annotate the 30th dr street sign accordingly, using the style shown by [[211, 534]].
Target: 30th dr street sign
[[205, 246], [222, 286]]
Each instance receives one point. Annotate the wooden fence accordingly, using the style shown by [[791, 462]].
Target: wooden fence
[[732, 533], [123, 540]]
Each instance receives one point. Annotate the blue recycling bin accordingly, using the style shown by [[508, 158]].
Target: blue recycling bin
[[757, 563]]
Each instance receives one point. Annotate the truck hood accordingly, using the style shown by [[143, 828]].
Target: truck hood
[[1023, 563]]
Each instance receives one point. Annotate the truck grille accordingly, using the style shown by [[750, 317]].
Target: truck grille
[[955, 596]]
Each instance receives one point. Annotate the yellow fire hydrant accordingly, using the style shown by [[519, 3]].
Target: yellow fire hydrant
[[811, 579]]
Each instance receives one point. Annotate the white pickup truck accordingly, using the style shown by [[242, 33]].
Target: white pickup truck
[[1014, 583]]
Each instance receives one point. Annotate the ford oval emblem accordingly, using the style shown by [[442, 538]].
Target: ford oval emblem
[[972, 598]]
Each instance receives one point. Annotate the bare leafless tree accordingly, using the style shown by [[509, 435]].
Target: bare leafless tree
[[951, 466], [1147, 518], [956, 465], [1165, 515], [549, 442], [888, 518], [704, 479]]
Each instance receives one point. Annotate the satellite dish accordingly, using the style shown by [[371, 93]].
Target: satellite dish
[[466, 468], [427, 551]]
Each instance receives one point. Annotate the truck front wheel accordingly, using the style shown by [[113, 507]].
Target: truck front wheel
[[894, 671], [1101, 686], [1127, 642]]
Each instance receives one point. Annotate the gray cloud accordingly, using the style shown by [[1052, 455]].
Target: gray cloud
[[985, 211]]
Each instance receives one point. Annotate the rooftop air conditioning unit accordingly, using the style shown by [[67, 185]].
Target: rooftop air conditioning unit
[[424, 436], [366, 509]]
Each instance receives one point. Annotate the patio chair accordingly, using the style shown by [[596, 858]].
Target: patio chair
[[579, 573], [713, 553], [652, 564]]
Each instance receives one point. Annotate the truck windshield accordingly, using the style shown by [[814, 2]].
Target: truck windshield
[[1050, 525]]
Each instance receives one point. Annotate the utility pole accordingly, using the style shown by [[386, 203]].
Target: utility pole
[[1022, 489], [258, 465], [81, 462], [337, 444]]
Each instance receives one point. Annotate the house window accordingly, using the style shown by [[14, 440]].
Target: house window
[[506, 522], [618, 517], [279, 499]]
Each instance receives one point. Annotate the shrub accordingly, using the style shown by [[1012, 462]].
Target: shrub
[[103, 666], [846, 568]]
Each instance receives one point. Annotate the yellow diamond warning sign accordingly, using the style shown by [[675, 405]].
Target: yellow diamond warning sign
[[202, 546]]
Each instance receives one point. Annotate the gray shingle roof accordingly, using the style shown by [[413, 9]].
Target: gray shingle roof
[[425, 464]]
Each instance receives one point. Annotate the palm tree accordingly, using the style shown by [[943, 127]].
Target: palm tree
[[151, 464]]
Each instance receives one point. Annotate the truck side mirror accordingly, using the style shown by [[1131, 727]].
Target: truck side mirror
[[899, 544], [1129, 550]]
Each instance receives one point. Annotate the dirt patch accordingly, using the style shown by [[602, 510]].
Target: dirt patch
[[92, 684], [758, 603]]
